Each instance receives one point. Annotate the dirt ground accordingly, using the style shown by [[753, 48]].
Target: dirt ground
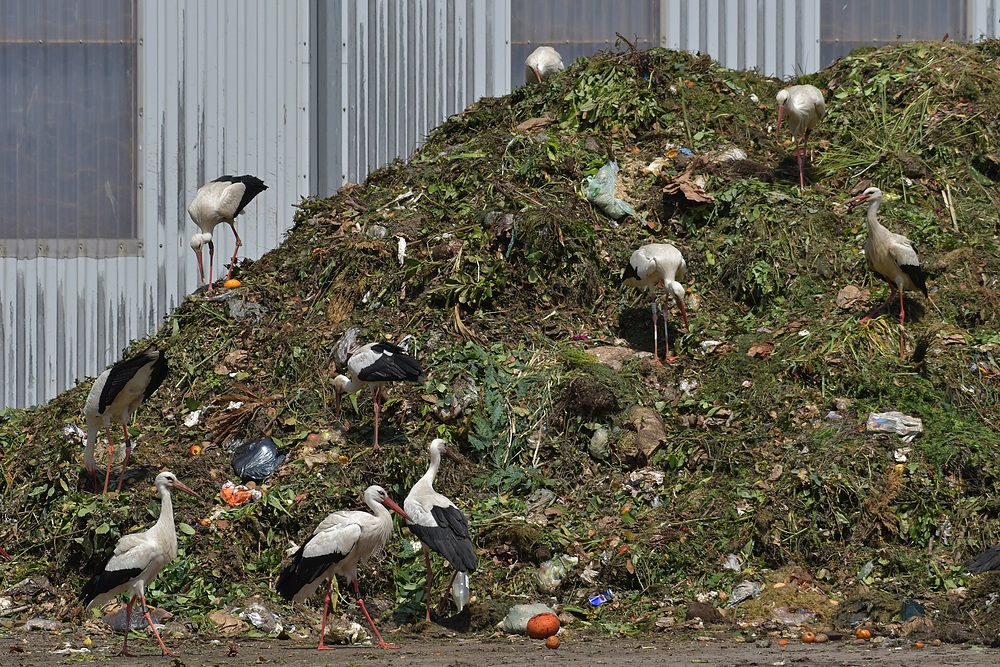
[[36, 649]]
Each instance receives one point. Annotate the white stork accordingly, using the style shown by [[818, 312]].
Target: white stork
[[137, 559], [438, 523], [542, 63], [804, 106], [373, 365], [341, 541], [115, 396], [220, 201], [890, 256], [659, 264]]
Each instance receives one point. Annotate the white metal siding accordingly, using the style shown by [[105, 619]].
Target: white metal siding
[[224, 87], [776, 37], [984, 19], [391, 71]]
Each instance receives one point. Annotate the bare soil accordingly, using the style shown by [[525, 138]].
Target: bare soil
[[35, 649]]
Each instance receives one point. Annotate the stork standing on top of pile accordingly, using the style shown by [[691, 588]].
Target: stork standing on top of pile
[[659, 264], [341, 541], [804, 108], [115, 396], [542, 63], [137, 559], [890, 256], [220, 201], [373, 365], [440, 525]]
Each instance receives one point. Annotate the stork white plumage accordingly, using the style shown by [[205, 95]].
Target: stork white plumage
[[115, 396], [657, 264], [804, 107], [341, 541], [137, 559], [541, 64], [220, 201], [439, 524], [373, 365], [890, 256]]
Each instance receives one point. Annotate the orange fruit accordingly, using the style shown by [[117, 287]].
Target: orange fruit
[[808, 637], [194, 450], [542, 626], [232, 283], [917, 644], [782, 642], [552, 642], [863, 633]]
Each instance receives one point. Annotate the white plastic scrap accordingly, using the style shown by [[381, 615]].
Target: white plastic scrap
[[895, 422], [400, 249], [193, 418], [744, 590]]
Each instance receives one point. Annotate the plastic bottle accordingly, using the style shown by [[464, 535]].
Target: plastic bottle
[[460, 589]]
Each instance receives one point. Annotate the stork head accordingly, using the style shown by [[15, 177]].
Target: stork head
[[677, 291], [167, 480], [339, 387], [376, 495], [868, 196], [200, 239], [782, 96]]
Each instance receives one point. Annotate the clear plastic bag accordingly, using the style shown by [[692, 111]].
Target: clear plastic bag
[[600, 191]]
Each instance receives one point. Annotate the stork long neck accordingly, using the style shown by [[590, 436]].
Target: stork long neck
[[349, 384], [166, 519], [432, 470], [873, 224]]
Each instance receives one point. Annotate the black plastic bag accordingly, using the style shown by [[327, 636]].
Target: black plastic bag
[[256, 460]]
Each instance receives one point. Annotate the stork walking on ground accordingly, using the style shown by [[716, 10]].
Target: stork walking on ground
[[137, 559], [220, 201], [373, 365], [659, 264], [341, 541], [542, 63], [890, 256], [439, 524], [804, 108], [115, 396]]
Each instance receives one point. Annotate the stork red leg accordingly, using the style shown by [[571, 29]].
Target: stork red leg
[[128, 627], [111, 456], [322, 629], [211, 263], [239, 242], [3, 552], [901, 348], [361, 603], [149, 619], [376, 401], [656, 346], [128, 452], [666, 334], [446, 598]]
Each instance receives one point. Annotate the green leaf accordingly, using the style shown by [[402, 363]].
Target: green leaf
[[185, 528]]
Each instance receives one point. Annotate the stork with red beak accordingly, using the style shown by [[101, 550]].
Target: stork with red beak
[[220, 201], [137, 559], [657, 264], [372, 366], [115, 396], [804, 108], [542, 63], [341, 541], [890, 256]]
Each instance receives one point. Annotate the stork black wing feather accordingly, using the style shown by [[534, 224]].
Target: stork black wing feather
[[122, 372], [253, 186], [302, 571], [450, 537], [917, 275], [392, 364], [158, 375], [107, 580]]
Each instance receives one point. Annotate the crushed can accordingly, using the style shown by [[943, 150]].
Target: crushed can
[[601, 598]]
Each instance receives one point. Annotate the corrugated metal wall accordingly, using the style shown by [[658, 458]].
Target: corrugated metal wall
[[984, 19], [390, 71], [777, 37], [224, 87]]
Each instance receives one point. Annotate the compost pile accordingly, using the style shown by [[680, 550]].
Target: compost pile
[[748, 459]]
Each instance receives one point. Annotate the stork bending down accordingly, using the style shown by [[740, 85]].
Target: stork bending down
[[804, 108], [341, 541], [659, 264], [542, 63], [220, 201], [137, 559], [438, 523], [115, 396], [373, 365], [890, 256]]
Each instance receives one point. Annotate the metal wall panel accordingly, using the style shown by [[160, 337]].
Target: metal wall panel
[[390, 71], [984, 19], [224, 87], [776, 37]]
